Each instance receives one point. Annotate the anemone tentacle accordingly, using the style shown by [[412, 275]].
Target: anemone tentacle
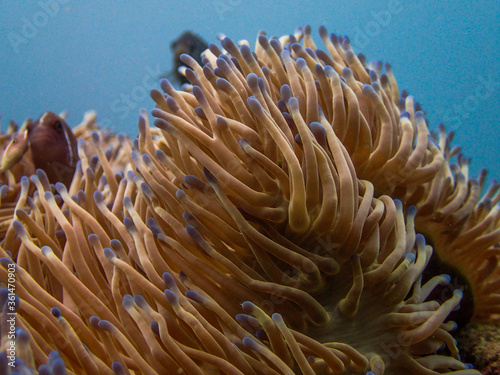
[[255, 229]]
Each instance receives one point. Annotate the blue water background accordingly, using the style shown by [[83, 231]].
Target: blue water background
[[81, 55]]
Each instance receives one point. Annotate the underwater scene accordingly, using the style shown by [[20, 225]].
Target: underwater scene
[[231, 187]]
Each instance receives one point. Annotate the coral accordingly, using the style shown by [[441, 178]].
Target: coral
[[480, 342]]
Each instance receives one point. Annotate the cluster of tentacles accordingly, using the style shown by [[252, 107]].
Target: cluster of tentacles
[[254, 230]]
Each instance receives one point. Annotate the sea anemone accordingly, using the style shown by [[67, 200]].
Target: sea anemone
[[248, 233]]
